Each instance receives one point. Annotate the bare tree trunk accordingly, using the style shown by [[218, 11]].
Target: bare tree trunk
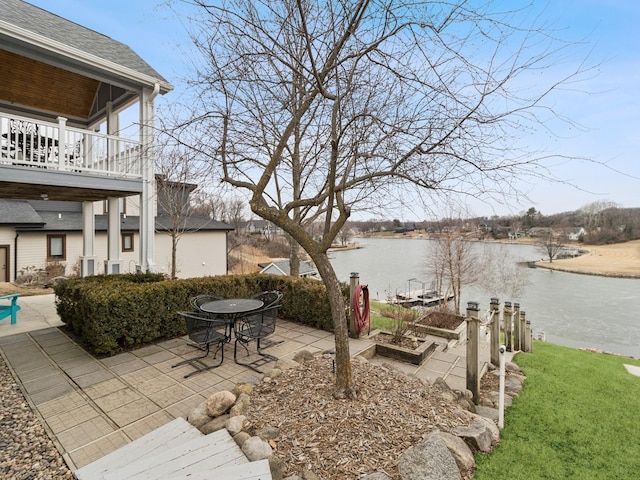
[[345, 387], [294, 257]]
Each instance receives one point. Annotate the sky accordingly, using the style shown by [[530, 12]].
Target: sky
[[606, 105]]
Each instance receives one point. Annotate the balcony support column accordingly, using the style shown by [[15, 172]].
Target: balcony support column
[[88, 259], [113, 262], [147, 197]]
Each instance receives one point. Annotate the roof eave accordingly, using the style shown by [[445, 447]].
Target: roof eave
[[77, 55]]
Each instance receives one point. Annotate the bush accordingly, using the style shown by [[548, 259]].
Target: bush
[[116, 312]]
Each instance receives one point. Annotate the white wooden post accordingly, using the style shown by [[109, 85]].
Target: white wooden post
[[62, 142]]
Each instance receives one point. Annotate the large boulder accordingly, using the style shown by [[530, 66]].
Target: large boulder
[[219, 402], [461, 452], [198, 416], [477, 435], [429, 460], [255, 449]]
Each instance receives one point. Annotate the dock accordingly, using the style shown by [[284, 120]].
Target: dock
[[427, 298]]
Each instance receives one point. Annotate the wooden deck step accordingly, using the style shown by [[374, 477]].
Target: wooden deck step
[[176, 432], [208, 452], [251, 471]]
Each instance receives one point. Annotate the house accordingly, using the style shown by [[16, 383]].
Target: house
[[63, 157], [576, 234], [307, 269]]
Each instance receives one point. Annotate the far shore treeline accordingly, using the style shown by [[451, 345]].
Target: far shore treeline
[[595, 224]]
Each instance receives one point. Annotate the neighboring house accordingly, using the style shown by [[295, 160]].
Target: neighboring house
[[63, 88], [260, 227], [42, 233], [281, 267], [575, 234]]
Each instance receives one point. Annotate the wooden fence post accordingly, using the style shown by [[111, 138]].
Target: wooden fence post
[[516, 327], [529, 337], [523, 320], [494, 307], [473, 348], [507, 314], [354, 281]]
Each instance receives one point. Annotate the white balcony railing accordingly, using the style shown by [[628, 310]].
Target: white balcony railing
[[33, 143]]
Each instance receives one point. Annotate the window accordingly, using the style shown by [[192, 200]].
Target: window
[[127, 242], [56, 247]]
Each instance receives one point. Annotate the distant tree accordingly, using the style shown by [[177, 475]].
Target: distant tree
[[501, 276], [177, 170], [552, 245], [453, 261]]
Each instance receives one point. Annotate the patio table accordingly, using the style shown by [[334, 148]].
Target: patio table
[[231, 307]]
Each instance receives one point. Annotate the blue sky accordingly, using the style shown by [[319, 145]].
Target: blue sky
[[607, 105]]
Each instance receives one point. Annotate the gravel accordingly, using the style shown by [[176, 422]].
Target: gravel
[[26, 451]]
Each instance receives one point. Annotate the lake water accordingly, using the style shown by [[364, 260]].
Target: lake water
[[571, 309]]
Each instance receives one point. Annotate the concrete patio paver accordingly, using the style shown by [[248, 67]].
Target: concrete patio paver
[[93, 406]]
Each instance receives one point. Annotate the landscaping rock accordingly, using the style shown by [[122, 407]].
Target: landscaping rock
[[241, 407], [274, 373], [487, 412], [267, 433], [303, 356], [491, 426], [198, 417], [429, 460], [461, 452], [219, 402], [235, 424], [255, 449], [241, 437], [214, 424], [241, 388], [495, 399], [512, 367], [285, 364], [477, 436], [277, 467]]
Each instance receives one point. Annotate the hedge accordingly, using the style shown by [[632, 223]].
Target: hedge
[[114, 313]]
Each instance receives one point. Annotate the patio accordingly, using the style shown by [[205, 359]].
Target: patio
[[93, 406]]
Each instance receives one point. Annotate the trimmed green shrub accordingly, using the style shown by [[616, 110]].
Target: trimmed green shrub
[[117, 312]]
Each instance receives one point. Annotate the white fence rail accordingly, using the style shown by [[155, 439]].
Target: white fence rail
[[33, 143]]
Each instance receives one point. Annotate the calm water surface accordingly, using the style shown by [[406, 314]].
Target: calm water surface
[[571, 309]]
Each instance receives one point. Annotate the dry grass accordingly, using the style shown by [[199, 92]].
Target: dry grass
[[617, 260]]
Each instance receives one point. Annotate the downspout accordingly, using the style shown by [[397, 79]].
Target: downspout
[[15, 257]]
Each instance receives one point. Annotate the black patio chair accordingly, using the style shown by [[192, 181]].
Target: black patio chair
[[199, 300], [269, 298], [204, 331], [256, 326]]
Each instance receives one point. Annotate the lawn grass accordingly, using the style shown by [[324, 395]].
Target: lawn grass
[[578, 416]]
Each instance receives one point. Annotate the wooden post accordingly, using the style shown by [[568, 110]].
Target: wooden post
[[516, 327], [507, 314], [354, 281], [528, 336], [473, 349], [523, 333], [494, 307]]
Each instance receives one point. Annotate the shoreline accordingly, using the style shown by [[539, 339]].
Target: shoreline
[[617, 260]]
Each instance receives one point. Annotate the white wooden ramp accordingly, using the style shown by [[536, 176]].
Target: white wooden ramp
[[177, 451]]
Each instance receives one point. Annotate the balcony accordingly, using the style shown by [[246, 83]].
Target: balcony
[[55, 146]]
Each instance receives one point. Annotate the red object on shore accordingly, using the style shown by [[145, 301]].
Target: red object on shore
[[360, 310]]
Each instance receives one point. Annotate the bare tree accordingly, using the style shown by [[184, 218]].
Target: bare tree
[[551, 245], [453, 261], [324, 107], [501, 276], [176, 170]]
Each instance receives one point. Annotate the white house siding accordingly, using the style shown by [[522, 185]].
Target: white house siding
[[199, 254]]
